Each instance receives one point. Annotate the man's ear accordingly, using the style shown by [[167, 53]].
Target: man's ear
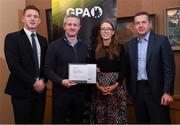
[[22, 19], [39, 21]]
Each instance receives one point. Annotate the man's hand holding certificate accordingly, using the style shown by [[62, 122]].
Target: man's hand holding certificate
[[82, 73], [68, 83]]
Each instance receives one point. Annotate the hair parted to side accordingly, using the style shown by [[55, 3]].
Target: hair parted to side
[[70, 15], [32, 7], [143, 13]]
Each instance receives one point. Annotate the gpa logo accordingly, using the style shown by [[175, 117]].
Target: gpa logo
[[95, 12]]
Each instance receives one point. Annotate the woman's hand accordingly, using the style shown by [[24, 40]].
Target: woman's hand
[[101, 88], [111, 88], [107, 90]]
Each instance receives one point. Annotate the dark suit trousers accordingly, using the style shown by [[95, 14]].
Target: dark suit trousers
[[148, 110], [68, 107], [29, 110]]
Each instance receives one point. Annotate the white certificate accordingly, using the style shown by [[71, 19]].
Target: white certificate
[[82, 73]]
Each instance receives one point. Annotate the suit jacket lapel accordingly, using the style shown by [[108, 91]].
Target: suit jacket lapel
[[27, 43], [151, 43], [135, 52]]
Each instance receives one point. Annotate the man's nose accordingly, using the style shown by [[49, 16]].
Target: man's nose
[[140, 24]]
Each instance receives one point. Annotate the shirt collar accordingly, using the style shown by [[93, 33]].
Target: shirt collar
[[28, 33], [66, 40], [146, 38]]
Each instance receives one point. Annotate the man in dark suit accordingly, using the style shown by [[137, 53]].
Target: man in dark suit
[[150, 72], [25, 55]]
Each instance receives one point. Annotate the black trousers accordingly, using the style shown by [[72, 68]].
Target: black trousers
[[29, 110], [68, 108], [147, 109]]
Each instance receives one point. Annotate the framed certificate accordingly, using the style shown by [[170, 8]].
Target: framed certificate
[[82, 73]]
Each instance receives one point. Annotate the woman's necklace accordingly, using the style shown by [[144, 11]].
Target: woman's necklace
[[106, 48]]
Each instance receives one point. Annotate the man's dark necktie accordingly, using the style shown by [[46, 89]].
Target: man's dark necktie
[[35, 54]]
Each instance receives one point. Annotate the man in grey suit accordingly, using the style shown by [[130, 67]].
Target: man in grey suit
[[150, 72]]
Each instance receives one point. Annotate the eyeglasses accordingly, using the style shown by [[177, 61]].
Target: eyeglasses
[[106, 29]]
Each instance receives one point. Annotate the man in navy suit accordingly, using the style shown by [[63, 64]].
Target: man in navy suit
[[150, 72], [25, 55]]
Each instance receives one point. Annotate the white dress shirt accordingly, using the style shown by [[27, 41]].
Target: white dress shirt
[[28, 33]]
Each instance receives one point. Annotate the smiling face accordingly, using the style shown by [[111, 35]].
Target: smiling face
[[31, 19], [142, 25], [72, 26], [106, 31]]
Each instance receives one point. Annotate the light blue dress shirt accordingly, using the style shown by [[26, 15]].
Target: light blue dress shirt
[[142, 53]]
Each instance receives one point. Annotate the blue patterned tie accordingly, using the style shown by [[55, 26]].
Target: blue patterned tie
[[35, 54]]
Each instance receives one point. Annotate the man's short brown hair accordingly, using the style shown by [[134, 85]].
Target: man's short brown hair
[[31, 7]]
